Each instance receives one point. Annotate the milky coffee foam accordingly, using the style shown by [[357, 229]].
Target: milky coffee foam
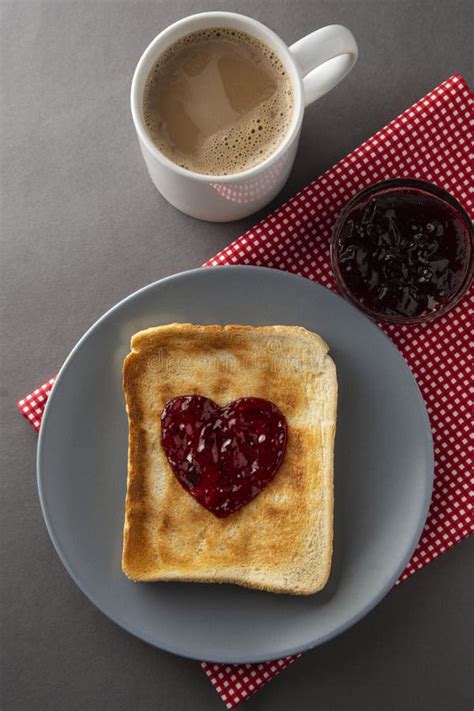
[[218, 102]]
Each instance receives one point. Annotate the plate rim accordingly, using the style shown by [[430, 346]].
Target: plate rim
[[222, 658]]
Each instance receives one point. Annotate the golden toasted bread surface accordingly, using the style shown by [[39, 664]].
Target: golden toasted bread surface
[[282, 540]]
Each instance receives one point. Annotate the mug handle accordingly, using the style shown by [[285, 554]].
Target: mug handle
[[324, 58]]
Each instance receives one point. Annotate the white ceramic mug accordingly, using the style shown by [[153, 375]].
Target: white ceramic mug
[[315, 65]]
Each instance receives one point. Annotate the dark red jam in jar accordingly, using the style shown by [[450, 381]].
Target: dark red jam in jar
[[223, 456], [402, 251]]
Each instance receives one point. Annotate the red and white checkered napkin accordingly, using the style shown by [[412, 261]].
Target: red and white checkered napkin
[[431, 141]]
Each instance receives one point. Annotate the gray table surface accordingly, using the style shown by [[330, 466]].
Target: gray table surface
[[81, 227]]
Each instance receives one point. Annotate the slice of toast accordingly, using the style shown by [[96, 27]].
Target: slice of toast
[[281, 541]]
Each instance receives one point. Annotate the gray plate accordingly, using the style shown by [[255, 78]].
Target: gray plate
[[383, 477]]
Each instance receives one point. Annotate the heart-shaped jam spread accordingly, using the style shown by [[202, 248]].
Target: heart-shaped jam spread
[[223, 456]]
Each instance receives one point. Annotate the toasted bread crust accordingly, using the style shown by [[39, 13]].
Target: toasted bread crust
[[282, 540]]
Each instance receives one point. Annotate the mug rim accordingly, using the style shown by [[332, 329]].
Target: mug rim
[[276, 43]]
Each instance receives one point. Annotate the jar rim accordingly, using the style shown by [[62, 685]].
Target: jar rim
[[407, 184]]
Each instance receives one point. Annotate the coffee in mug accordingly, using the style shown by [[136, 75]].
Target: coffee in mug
[[202, 114], [218, 101]]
